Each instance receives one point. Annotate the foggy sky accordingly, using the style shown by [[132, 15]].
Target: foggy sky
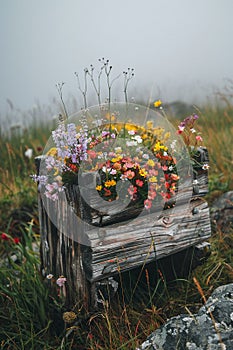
[[178, 48]]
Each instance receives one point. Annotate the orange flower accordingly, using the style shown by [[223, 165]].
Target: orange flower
[[117, 166]]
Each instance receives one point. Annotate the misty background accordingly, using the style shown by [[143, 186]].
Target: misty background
[[179, 49]]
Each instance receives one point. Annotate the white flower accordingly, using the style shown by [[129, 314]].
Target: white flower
[[28, 153], [193, 130], [118, 149], [145, 156], [170, 168], [173, 144], [131, 143], [105, 169], [131, 132], [205, 166], [138, 138], [49, 276]]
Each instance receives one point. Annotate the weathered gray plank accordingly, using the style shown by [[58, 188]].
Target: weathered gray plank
[[104, 243]]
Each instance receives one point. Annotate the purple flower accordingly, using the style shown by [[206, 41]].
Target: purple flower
[[105, 133], [71, 136], [42, 179]]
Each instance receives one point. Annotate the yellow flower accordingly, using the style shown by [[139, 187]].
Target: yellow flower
[[110, 117], [52, 152], [159, 147], [153, 179], [150, 162], [116, 159], [110, 183], [143, 172], [144, 136], [157, 103], [167, 136], [98, 188], [149, 124], [158, 132]]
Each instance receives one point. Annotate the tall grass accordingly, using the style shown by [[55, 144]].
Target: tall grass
[[32, 318]]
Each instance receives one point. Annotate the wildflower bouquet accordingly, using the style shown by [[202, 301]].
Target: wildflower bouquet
[[131, 162]]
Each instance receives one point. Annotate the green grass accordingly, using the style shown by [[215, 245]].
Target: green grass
[[31, 315]]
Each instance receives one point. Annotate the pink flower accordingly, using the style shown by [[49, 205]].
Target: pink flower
[[147, 204], [132, 190], [151, 194], [130, 174], [181, 128], [113, 172], [139, 183], [129, 164], [199, 138], [61, 281]]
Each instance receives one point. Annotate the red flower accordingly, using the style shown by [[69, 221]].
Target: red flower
[[16, 240], [5, 237], [73, 167], [139, 183], [107, 192]]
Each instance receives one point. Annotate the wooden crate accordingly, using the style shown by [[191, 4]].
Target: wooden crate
[[99, 246]]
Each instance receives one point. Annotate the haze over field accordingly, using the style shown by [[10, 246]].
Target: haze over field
[[179, 49]]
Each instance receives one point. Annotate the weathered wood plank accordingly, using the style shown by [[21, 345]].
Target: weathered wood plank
[[144, 242], [99, 244]]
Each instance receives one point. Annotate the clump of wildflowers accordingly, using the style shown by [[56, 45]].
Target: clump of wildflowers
[[191, 137], [118, 152]]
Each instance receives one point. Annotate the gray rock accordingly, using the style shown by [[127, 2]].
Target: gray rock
[[222, 212], [210, 329]]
